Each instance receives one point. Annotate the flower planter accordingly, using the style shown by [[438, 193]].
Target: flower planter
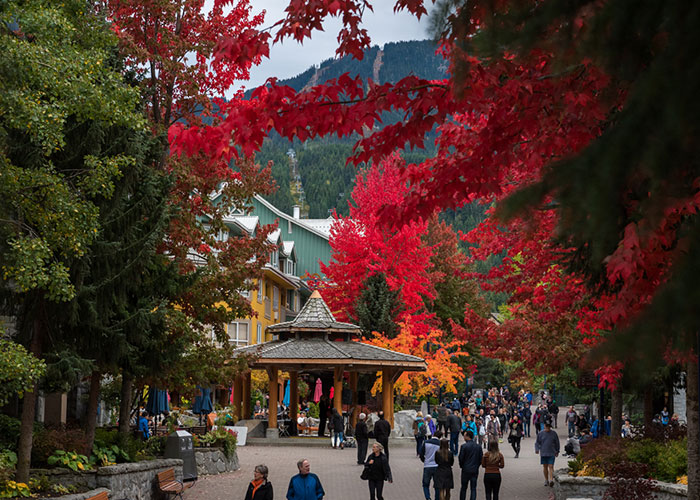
[[567, 486]]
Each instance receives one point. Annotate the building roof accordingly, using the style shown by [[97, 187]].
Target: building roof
[[315, 315], [301, 222], [306, 343], [248, 223], [323, 226], [323, 352]]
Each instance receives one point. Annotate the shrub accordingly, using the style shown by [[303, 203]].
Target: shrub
[[48, 441], [128, 443], [629, 481], [11, 489], [313, 410], [9, 432], [224, 438], [70, 459], [666, 461], [605, 453], [8, 461]]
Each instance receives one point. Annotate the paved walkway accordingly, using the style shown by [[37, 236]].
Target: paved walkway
[[340, 475]]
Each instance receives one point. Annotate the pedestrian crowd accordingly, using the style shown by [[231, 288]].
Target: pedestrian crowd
[[466, 432]]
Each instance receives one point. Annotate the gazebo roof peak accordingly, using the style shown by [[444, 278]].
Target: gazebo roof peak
[[314, 316]]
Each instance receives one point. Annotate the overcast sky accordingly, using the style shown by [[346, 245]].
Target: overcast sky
[[290, 58]]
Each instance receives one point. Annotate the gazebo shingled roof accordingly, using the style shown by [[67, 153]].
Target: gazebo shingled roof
[[315, 341]]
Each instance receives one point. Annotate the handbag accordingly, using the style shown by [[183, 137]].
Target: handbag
[[365, 474]]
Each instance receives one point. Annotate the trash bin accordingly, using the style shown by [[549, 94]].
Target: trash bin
[[179, 445]]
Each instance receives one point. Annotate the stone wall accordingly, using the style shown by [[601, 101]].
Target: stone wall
[[212, 461], [83, 480], [136, 481], [566, 486]]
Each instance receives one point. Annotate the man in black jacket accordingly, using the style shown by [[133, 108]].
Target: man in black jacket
[[382, 430], [362, 438], [454, 423], [470, 455]]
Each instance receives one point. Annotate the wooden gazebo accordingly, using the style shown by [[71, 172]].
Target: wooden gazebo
[[315, 341]]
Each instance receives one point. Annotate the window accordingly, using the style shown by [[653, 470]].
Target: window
[[259, 333], [275, 298], [274, 259], [261, 283], [290, 300], [238, 333], [290, 266], [223, 235]]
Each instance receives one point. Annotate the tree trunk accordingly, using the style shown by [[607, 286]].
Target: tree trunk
[[648, 407], [26, 428], [692, 410], [91, 412], [616, 427], [125, 406]]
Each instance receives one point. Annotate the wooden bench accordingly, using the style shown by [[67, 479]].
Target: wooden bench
[[170, 486], [100, 496]]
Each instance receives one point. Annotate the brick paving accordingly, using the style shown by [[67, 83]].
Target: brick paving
[[340, 475]]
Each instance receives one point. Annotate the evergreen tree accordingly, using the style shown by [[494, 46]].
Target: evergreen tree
[[377, 307]]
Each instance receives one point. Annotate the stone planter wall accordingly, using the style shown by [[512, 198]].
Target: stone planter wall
[[136, 481], [566, 486], [84, 480], [212, 461]]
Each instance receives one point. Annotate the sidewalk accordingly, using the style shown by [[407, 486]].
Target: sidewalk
[[340, 475]]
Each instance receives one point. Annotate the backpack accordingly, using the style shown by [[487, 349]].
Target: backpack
[[422, 429]]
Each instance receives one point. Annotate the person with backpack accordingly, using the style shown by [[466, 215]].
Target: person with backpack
[[420, 431]]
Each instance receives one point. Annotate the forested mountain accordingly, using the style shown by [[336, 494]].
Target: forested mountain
[[326, 181]]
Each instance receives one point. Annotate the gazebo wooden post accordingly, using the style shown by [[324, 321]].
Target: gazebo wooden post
[[272, 430], [293, 397], [353, 388], [388, 395], [238, 397], [338, 389], [246, 395]]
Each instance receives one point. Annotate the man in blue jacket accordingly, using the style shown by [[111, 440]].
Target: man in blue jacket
[[305, 486], [470, 455]]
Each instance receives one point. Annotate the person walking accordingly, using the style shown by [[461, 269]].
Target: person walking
[[443, 475], [493, 427], [305, 485], [427, 456], [362, 438], [571, 420], [323, 411], [547, 446], [336, 425], [382, 430], [515, 434], [378, 471], [470, 455], [454, 423], [431, 425], [259, 488], [442, 418], [420, 431], [492, 462], [527, 415]]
